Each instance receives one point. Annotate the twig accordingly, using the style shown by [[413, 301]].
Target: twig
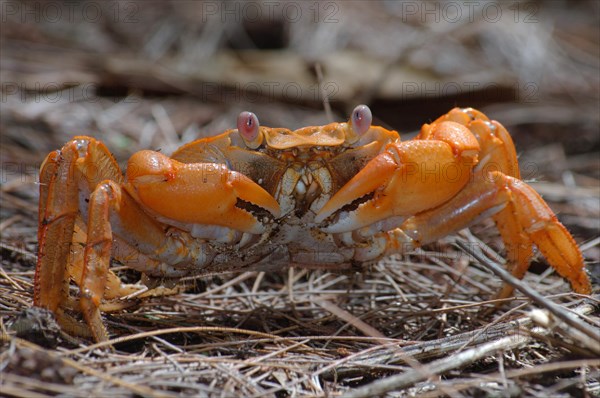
[[444, 346], [326, 104], [22, 252], [454, 361], [367, 329], [440, 366], [138, 389], [190, 329], [554, 309], [545, 319], [432, 349]]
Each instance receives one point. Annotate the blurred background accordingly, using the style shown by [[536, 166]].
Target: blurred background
[[157, 74]]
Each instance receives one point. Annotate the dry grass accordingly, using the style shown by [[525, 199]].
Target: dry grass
[[415, 325]]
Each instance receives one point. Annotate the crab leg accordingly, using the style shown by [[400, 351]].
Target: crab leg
[[111, 206], [523, 212], [498, 153], [497, 147], [97, 259], [115, 288], [57, 214], [66, 178], [63, 175]]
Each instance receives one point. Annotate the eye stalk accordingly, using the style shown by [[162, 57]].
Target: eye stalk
[[248, 127], [361, 119]]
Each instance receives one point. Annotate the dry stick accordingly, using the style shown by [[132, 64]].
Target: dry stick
[[349, 318], [130, 386], [326, 103], [185, 329], [13, 283], [443, 365], [327, 368], [476, 353], [507, 277], [15, 249], [552, 367], [494, 322], [14, 385], [440, 366], [456, 385], [10, 221], [414, 353], [231, 282], [543, 318], [420, 351], [436, 348], [278, 352]]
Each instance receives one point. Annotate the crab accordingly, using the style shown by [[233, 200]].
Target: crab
[[253, 198]]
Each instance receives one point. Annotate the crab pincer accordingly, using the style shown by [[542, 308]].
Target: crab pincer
[[197, 193], [405, 179]]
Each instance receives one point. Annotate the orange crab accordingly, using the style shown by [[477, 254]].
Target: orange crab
[[255, 197]]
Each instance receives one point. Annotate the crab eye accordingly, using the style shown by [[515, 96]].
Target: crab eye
[[361, 119], [247, 125]]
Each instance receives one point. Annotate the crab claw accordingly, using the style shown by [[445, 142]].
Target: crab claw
[[372, 180], [198, 193], [405, 179]]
